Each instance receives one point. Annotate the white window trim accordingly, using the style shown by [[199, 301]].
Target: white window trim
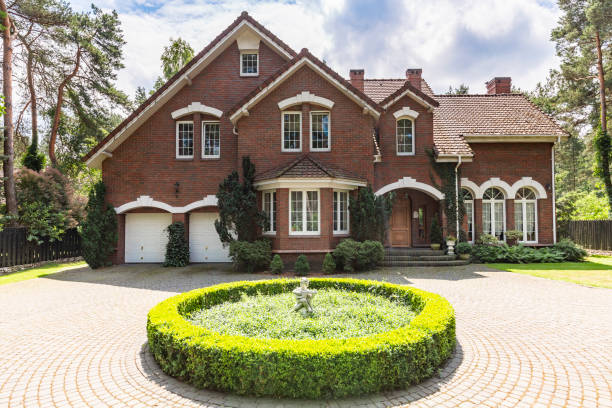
[[523, 203], [328, 149], [473, 225], [272, 209], [492, 212], [283, 131], [252, 74], [304, 216], [176, 139], [348, 214], [397, 139], [210, 156]]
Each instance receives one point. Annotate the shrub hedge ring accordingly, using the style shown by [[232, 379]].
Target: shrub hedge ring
[[330, 368]]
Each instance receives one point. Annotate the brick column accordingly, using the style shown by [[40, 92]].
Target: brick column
[[197, 136], [477, 218], [326, 213], [305, 127], [282, 217], [184, 218], [119, 256], [510, 215], [444, 220]]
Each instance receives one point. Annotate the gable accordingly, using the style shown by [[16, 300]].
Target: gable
[[244, 30]]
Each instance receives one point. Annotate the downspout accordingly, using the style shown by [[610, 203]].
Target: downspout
[[457, 194], [554, 193]]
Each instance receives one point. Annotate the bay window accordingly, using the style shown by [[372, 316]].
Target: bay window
[[304, 217], [341, 216], [525, 214], [269, 208], [494, 213]]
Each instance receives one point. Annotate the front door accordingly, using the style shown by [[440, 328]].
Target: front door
[[400, 223]]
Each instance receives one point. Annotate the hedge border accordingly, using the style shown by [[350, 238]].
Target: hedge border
[[329, 368]]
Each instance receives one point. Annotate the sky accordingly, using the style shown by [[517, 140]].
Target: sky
[[453, 41]]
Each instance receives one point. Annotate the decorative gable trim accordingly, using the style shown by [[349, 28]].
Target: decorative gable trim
[[406, 112], [409, 182], [148, 201], [243, 23], [414, 93], [196, 107], [305, 97]]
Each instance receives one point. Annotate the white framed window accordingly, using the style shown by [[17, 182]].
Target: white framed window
[[526, 214], [341, 212], [468, 203], [249, 63], [404, 134], [320, 132], [184, 140], [291, 129], [211, 140], [304, 216], [494, 213], [269, 208]]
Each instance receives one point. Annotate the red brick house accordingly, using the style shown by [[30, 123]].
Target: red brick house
[[315, 137]]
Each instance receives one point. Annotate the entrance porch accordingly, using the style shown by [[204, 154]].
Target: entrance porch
[[411, 217]]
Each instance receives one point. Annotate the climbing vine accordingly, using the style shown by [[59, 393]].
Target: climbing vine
[[446, 173]]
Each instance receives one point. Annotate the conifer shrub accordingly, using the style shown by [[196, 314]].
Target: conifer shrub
[[302, 267], [251, 256], [329, 265], [177, 249], [277, 266], [435, 234], [351, 255], [99, 230]]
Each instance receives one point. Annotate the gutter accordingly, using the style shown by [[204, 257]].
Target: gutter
[[457, 194]]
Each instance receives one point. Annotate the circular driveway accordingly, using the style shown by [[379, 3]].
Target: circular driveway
[[77, 338]]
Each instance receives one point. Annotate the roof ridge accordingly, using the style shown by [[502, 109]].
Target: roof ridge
[[320, 165], [385, 79], [478, 95]]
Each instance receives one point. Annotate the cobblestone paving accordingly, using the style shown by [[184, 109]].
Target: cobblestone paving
[[78, 339]]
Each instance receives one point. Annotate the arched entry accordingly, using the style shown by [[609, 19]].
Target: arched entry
[[400, 228]]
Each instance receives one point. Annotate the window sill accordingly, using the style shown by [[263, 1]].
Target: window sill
[[342, 234], [249, 75], [320, 150], [291, 151], [405, 154], [269, 234], [211, 157], [294, 235]]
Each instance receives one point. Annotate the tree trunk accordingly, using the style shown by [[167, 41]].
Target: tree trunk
[[34, 104], [605, 158], [7, 89], [58, 106]]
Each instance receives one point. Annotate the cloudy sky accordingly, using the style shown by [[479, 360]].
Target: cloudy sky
[[454, 41]]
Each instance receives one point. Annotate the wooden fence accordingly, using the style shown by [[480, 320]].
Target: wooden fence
[[15, 249], [591, 234]]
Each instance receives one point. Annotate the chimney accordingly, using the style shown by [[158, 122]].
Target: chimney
[[413, 75], [499, 85], [356, 76]]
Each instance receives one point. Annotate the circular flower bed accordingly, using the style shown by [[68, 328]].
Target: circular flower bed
[[301, 368]]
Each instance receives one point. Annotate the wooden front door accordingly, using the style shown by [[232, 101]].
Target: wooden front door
[[400, 223]]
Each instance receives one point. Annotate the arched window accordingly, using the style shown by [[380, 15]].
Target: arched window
[[526, 214], [405, 136], [468, 203], [494, 213]]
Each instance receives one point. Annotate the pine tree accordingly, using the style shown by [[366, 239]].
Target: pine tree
[[99, 231]]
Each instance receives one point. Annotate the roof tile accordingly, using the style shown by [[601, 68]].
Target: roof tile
[[306, 166]]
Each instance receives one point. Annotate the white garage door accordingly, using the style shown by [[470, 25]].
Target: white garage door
[[145, 237], [204, 243]]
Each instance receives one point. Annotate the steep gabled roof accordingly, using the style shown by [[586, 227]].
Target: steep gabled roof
[[410, 90], [307, 166], [379, 89], [303, 58], [184, 75]]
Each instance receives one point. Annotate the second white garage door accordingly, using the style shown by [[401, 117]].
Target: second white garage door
[[204, 243], [146, 237]]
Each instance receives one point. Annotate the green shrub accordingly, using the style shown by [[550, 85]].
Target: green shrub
[[435, 234], [351, 255], [313, 369], [177, 248], [514, 235], [515, 254], [571, 252], [277, 266], [487, 239], [250, 256], [99, 232], [33, 159], [463, 248], [302, 267], [329, 265]]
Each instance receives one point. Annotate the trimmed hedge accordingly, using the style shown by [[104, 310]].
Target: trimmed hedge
[[330, 368]]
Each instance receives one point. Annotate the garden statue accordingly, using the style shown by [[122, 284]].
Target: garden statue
[[303, 296]]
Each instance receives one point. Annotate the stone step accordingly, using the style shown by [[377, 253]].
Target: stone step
[[413, 251], [457, 262], [400, 258]]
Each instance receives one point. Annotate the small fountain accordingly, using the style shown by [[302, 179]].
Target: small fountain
[[303, 297]]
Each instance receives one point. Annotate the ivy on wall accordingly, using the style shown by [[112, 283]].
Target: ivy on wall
[[446, 173]]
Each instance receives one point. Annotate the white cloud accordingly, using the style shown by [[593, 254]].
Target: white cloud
[[453, 41]]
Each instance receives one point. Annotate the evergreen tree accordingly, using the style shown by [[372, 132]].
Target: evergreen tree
[[99, 231], [463, 89], [177, 249], [239, 216], [370, 215]]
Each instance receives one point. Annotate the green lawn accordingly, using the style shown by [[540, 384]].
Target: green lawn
[[39, 271], [597, 271]]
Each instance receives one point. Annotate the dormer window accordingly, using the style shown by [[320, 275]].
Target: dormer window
[[249, 63]]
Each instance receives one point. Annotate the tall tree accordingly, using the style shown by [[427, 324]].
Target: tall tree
[[8, 32], [583, 38], [463, 89], [90, 56], [173, 58]]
